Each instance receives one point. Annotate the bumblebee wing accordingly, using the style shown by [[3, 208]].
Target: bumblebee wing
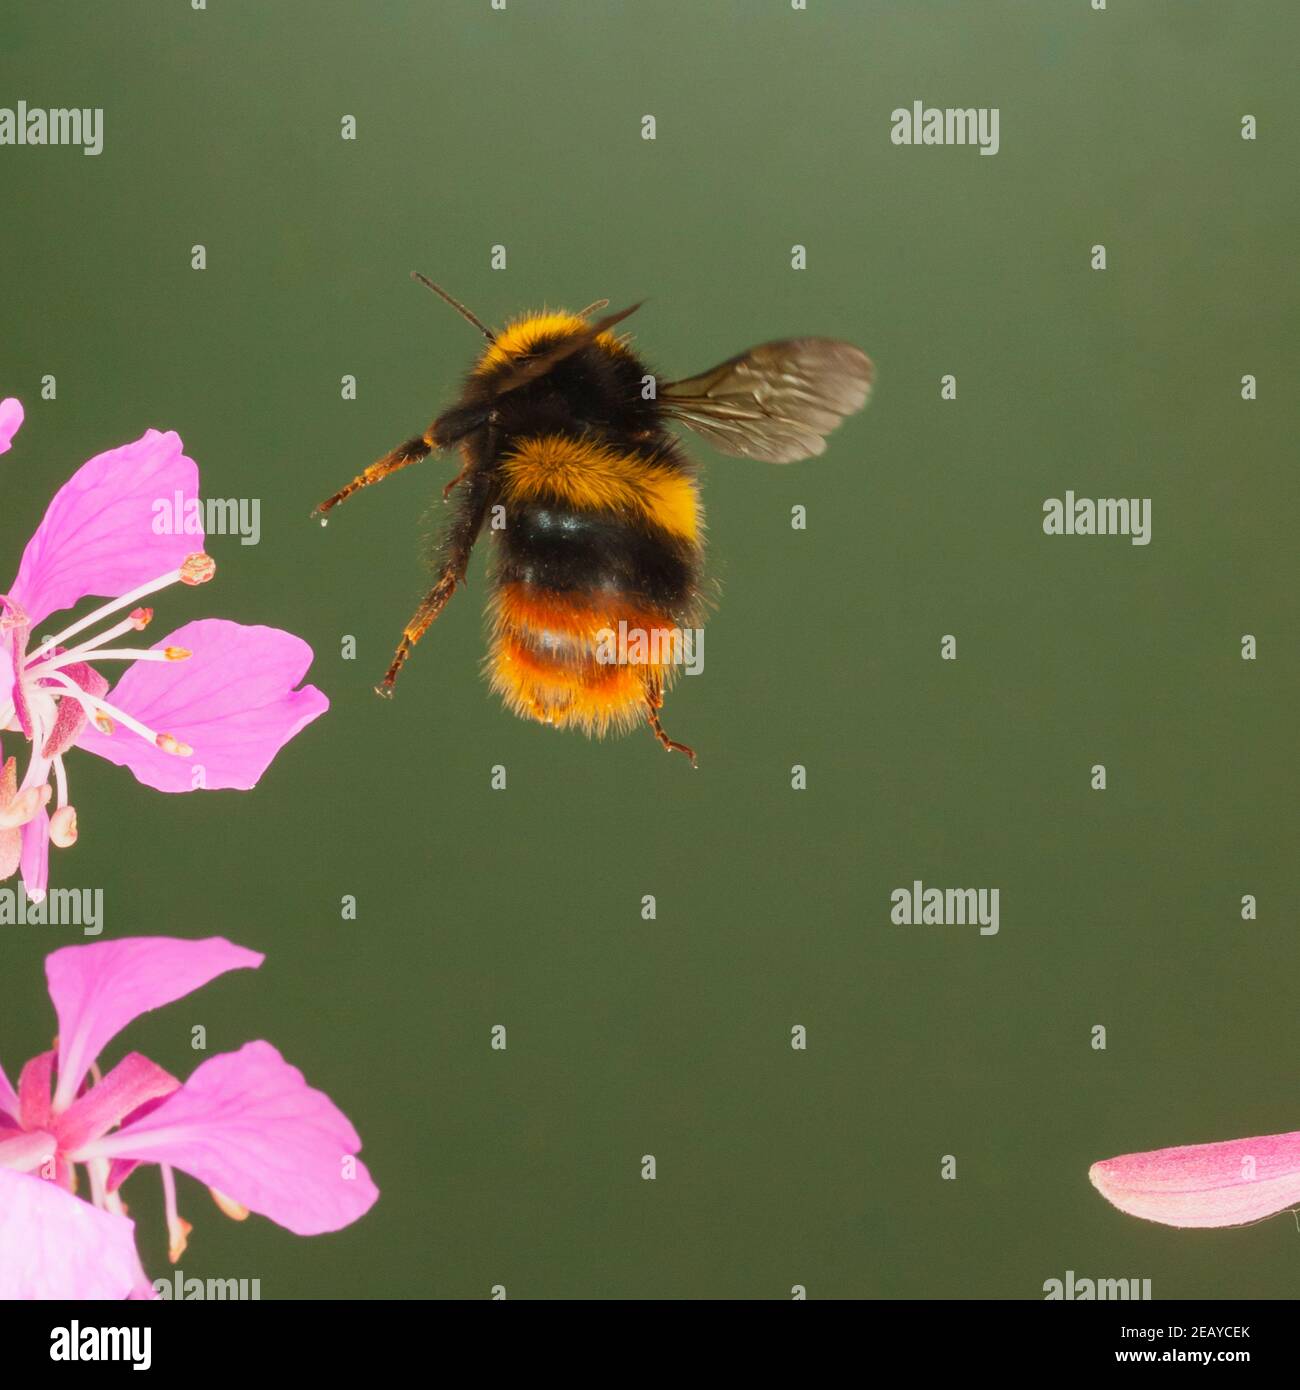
[[775, 403]]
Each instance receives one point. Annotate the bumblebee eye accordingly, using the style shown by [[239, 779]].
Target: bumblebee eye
[[494, 416]]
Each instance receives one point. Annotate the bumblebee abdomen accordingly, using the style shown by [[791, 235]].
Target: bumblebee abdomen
[[597, 567]]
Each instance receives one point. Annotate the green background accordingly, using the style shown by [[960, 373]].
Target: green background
[[522, 907]]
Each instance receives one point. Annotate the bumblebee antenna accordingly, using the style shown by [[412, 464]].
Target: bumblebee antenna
[[455, 304]]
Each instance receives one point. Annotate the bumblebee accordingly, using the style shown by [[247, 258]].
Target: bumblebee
[[567, 459]]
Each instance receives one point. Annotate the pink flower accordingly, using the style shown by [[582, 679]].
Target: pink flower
[[246, 1124], [208, 706], [11, 416], [1226, 1184]]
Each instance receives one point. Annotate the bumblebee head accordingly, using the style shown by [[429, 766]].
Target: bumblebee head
[[532, 346], [528, 349], [526, 338]]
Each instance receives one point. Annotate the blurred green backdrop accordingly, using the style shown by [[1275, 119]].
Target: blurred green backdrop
[[475, 908]]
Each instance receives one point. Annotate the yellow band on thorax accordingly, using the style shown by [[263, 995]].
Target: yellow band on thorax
[[591, 477]]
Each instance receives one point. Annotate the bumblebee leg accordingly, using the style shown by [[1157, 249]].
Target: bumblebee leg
[[402, 457], [434, 602], [654, 703], [459, 478], [456, 548]]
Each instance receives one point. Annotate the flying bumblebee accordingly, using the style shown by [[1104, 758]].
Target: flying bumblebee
[[595, 513]]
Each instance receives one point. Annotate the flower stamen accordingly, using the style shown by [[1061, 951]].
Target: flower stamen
[[95, 707], [197, 568], [194, 569], [63, 827], [78, 655], [236, 1211], [178, 1229], [36, 663]]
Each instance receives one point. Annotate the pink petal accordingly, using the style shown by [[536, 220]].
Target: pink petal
[[233, 702], [98, 989], [54, 1245], [26, 1150], [248, 1124], [8, 1097], [18, 632], [119, 1169], [34, 1092], [1226, 1184], [11, 416], [130, 1085], [98, 533]]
